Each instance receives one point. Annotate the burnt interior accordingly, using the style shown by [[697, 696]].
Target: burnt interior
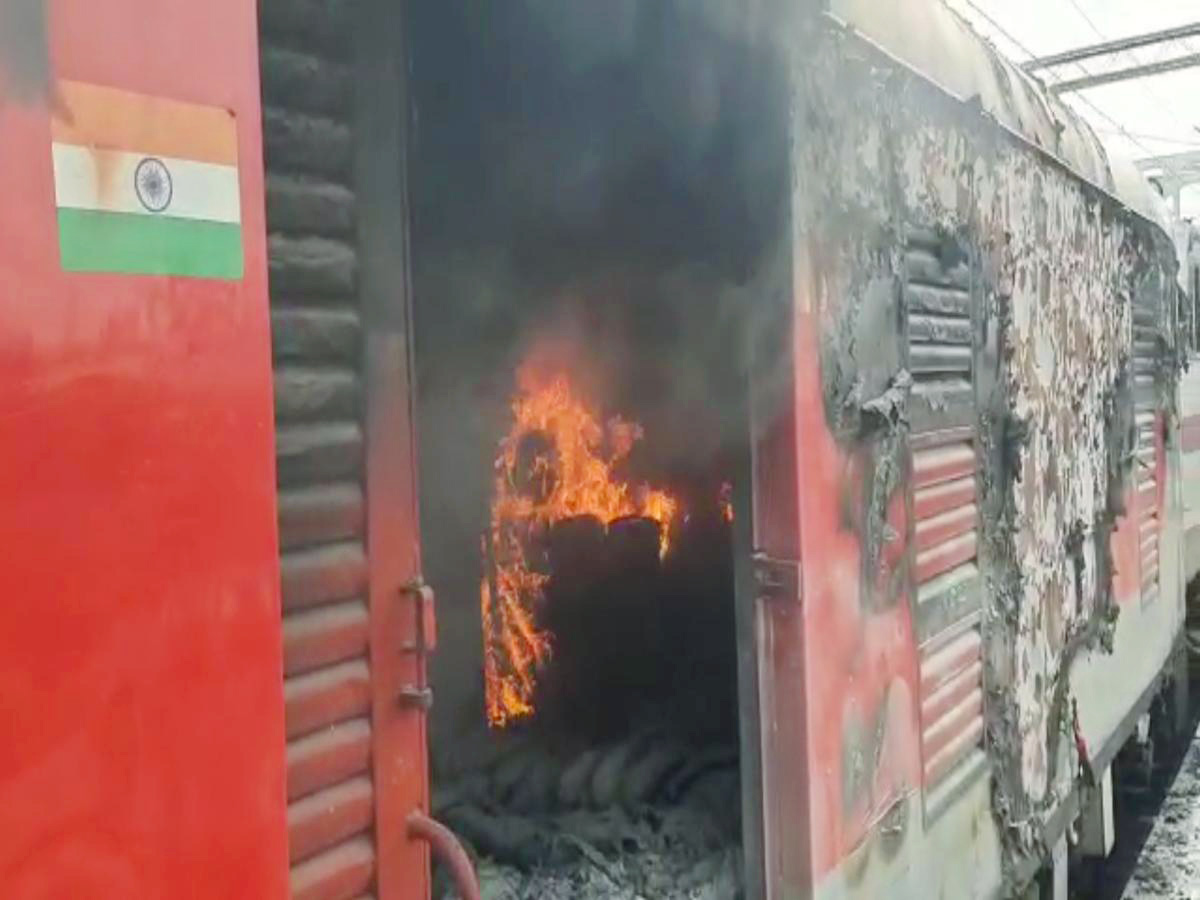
[[597, 187]]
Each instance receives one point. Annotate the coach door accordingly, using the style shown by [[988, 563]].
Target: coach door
[[358, 622]]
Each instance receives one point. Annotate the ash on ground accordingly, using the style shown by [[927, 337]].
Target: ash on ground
[[1169, 865], [649, 817]]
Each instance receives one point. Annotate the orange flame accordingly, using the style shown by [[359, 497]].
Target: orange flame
[[725, 501], [568, 472]]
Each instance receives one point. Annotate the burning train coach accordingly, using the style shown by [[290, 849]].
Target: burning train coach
[[721, 450]]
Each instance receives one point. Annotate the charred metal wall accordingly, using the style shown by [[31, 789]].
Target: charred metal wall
[[1052, 267]]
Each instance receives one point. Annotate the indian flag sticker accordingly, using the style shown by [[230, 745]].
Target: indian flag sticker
[[145, 185]]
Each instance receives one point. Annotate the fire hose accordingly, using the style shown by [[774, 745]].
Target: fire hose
[[447, 849]]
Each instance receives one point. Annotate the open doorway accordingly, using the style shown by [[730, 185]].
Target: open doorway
[[595, 194]]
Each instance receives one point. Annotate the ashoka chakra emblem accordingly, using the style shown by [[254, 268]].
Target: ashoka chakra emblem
[[152, 181]]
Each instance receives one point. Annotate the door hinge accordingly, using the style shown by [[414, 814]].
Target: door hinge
[[414, 697], [777, 580]]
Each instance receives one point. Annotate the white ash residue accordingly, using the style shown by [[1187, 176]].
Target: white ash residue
[[1169, 866]]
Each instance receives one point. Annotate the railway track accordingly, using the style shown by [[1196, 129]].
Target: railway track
[[1156, 799]]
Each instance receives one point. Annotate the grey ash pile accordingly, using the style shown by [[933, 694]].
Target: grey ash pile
[[647, 817]]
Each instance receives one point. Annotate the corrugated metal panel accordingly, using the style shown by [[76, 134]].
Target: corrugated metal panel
[[951, 703], [1189, 445], [945, 537], [1148, 458], [937, 300], [307, 102], [940, 332]]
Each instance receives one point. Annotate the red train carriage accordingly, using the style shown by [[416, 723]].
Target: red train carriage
[[780, 402]]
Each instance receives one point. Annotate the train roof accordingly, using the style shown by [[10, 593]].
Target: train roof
[[940, 44]]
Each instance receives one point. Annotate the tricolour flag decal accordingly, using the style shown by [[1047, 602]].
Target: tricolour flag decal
[[145, 185]]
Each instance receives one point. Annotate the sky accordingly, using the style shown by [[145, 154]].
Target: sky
[[1146, 117]]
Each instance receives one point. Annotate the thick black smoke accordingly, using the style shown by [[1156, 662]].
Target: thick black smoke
[[607, 177]]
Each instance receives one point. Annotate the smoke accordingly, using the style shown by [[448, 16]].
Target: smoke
[[600, 186]]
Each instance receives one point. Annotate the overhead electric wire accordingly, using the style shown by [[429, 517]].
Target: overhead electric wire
[[1148, 90], [1150, 93], [1131, 73], [1082, 99], [1110, 48], [1153, 137]]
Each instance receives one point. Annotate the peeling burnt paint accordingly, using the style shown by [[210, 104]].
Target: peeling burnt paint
[[878, 151]]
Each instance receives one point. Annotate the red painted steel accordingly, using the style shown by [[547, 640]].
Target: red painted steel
[[139, 637], [941, 528], [862, 673], [1125, 543], [944, 760], [942, 464], [944, 664], [940, 498], [826, 701], [402, 629], [950, 694], [943, 557], [780, 635], [945, 730], [1160, 465]]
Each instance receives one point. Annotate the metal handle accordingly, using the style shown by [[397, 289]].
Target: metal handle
[[420, 696], [447, 849], [426, 610]]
